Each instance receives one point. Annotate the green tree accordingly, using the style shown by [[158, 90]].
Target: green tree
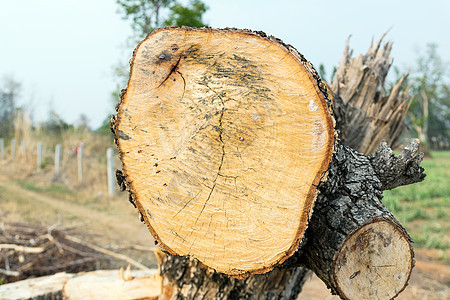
[[55, 124], [322, 72], [430, 110], [187, 15], [9, 93], [146, 14]]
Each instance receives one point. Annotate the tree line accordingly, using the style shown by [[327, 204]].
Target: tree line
[[428, 117]]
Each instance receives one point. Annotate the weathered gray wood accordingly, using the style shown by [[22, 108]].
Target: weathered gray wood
[[39, 155], [23, 147], [80, 163], [13, 148], [396, 170], [2, 149], [366, 114], [58, 159], [110, 171]]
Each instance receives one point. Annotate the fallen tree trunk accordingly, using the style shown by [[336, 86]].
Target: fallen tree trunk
[[43, 288], [225, 136]]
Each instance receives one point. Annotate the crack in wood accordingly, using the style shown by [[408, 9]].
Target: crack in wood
[[220, 127], [355, 274], [184, 83], [172, 70], [186, 204]]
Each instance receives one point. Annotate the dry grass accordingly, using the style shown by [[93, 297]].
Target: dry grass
[[24, 166]]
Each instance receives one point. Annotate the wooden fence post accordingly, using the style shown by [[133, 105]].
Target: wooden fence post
[[110, 170], [39, 155], [80, 163], [23, 147], [13, 148], [57, 159], [2, 148]]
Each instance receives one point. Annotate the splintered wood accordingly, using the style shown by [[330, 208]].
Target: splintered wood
[[224, 136], [366, 113]]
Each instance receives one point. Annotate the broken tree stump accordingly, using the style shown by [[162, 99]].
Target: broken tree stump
[[366, 112], [225, 137]]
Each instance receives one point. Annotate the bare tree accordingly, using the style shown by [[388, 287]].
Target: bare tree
[[9, 93]]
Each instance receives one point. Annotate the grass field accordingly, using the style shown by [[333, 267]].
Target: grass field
[[424, 208]]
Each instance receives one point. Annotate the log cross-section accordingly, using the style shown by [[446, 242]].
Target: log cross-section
[[224, 136]]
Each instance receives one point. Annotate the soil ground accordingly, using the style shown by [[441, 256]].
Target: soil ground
[[114, 223]]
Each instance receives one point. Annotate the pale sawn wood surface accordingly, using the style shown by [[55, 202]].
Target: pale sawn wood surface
[[107, 284], [375, 263], [223, 135]]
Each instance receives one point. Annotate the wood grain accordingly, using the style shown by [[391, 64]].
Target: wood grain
[[224, 136], [375, 256]]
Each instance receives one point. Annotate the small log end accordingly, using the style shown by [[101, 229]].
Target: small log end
[[375, 262]]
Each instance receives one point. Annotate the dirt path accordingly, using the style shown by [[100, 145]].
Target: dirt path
[[116, 222], [107, 223]]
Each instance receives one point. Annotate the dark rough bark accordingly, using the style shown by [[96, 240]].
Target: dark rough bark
[[351, 198], [53, 296], [394, 171], [186, 278]]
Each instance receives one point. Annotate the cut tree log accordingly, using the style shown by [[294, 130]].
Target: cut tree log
[[208, 128], [224, 136]]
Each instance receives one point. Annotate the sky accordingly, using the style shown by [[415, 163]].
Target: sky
[[63, 51]]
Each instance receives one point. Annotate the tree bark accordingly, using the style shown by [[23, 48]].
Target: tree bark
[[187, 278], [352, 242]]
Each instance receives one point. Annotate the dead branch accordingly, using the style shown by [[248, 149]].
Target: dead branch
[[19, 248], [110, 253]]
